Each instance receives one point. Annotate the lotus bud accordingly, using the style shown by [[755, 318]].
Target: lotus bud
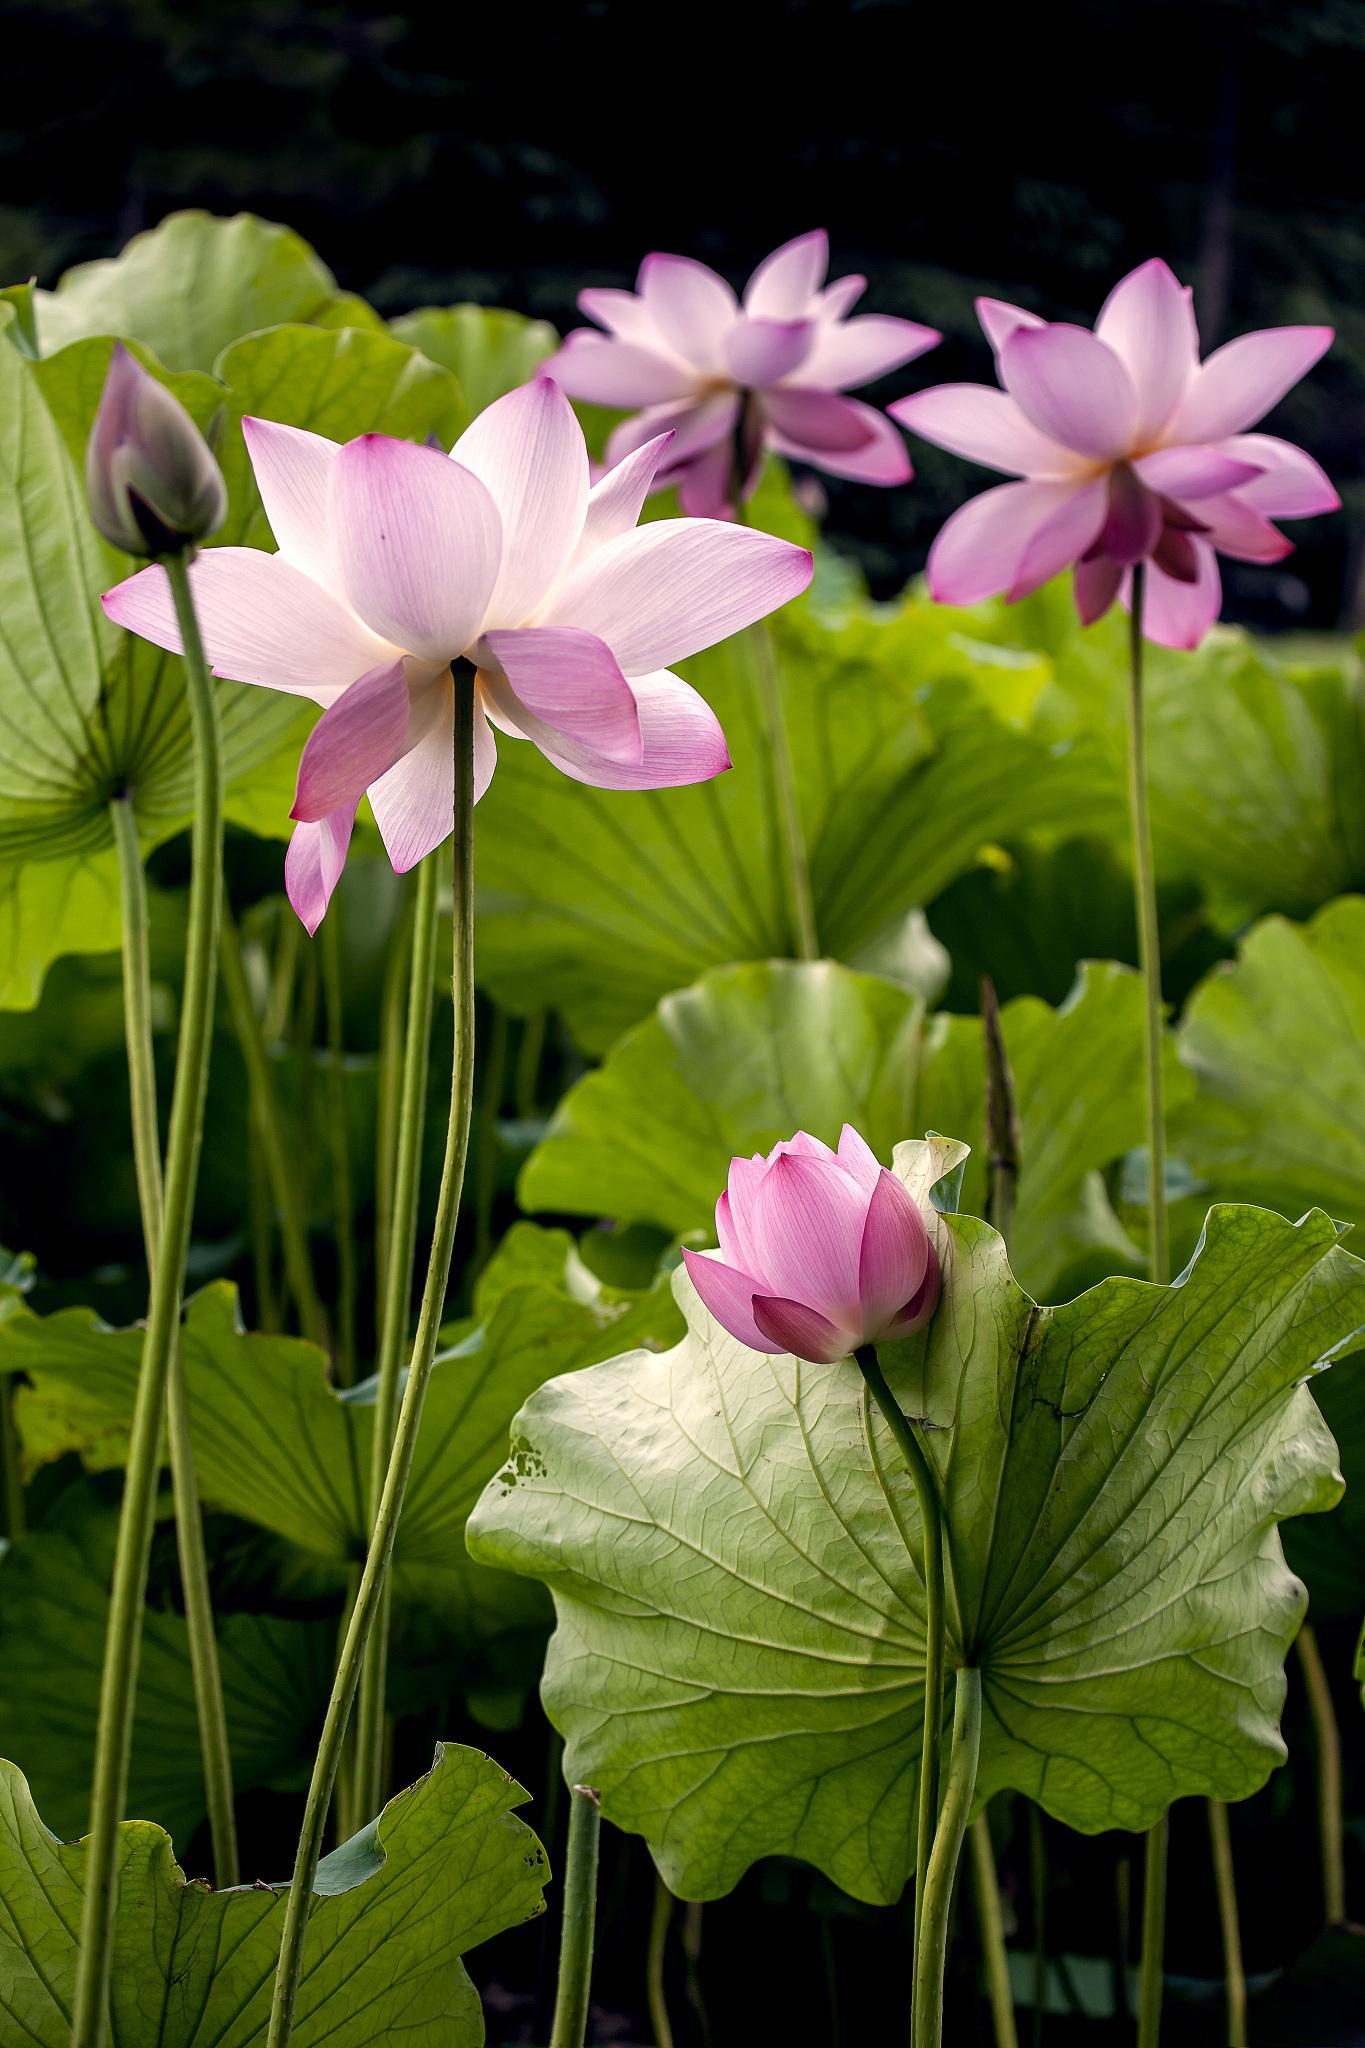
[[154, 486]]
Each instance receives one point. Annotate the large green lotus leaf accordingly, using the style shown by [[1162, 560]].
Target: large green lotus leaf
[[489, 350], [1255, 767], [446, 1865], [734, 1552], [54, 1603], [275, 1444], [752, 1053], [191, 285], [913, 747]]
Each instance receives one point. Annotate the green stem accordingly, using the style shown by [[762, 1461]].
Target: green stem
[[494, 1080], [402, 1252], [1002, 1115], [1328, 1738], [380, 1553], [579, 1914], [123, 1636], [659, 1921], [529, 1054], [343, 1200], [1149, 940], [265, 1106], [1151, 1976], [392, 1019], [991, 1922], [189, 1522], [931, 1948], [1225, 1886], [935, 1619]]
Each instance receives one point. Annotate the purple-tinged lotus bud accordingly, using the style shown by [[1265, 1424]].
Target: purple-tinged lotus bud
[[154, 486]]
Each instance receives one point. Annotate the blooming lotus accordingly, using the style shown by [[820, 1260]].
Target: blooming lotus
[[820, 1252], [396, 561], [730, 379], [1131, 450]]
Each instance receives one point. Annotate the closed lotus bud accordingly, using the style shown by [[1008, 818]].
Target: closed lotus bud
[[154, 486], [820, 1252]]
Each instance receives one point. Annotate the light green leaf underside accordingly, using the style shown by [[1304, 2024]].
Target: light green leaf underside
[[738, 1659], [912, 747], [54, 1603], [751, 1054], [446, 1866], [488, 350]]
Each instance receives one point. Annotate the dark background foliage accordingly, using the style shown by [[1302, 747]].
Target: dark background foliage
[[512, 155]]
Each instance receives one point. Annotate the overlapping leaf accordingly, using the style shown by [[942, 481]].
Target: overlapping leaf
[[732, 1545], [444, 1867], [488, 350]]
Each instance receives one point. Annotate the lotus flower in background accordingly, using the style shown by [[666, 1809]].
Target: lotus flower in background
[[730, 379], [820, 1252], [153, 485], [395, 561], [1131, 450]]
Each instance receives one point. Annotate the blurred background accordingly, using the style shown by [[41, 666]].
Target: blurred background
[[510, 157]]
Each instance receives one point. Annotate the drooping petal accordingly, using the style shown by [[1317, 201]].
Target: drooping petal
[[986, 426], [1243, 379], [706, 487], [1062, 537], [922, 1303], [697, 425], [527, 448], [1236, 528], [559, 683], [680, 741], [691, 307], [616, 499], [1072, 387], [894, 1253], [728, 1295], [1289, 485], [1132, 522], [840, 435], [850, 352], [605, 371], [980, 550], [293, 471], [807, 1225], [262, 621], [664, 591], [419, 543], [759, 352], [1000, 320], [313, 864], [1096, 586], [357, 739], [1148, 321], [1194, 471], [786, 282], [414, 804], [790, 1326], [1177, 614]]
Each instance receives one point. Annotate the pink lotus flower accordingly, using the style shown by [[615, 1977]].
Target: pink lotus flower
[[1132, 450], [729, 380], [395, 561], [820, 1252]]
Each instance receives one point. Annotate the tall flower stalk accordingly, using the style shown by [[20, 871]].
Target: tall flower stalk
[[574, 1982]]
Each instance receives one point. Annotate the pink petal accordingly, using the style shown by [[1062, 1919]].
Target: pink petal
[[1061, 538], [528, 450], [1234, 527], [1290, 484], [1178, 614], [698, 425], [807, 1224], [1096, 586], [759, 352], [849, 352], [357, 739], [706, 487], [840, 435], [1132, 524], [619, 311], [986, 426], [419, 542], [1194, 471], [786, 282], [313, 864], [262, 621], [836, 298], [789, 1326], [732, 1239], [293, 471], [616, 500], [1072, 387], [728, 1296], [1000, 320], [414, 804], [691, 307], [857, 1157], [1148, 321], [609, 372], [564, 684], [980, 550], [894, 1253], [1243, 379], [666, 590], [680, 742], [922, 1303]]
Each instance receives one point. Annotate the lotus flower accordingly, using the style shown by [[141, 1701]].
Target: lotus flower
[[729, 380], [1132, 450], [396, 561], [820, 1252], [153, 485]]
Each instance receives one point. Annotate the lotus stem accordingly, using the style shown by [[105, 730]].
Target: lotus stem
[[579, 1917], [659, 1922], [1328, 1738], [343, 1200], [1225, 1886], [931, 1946], [991, 1923]]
